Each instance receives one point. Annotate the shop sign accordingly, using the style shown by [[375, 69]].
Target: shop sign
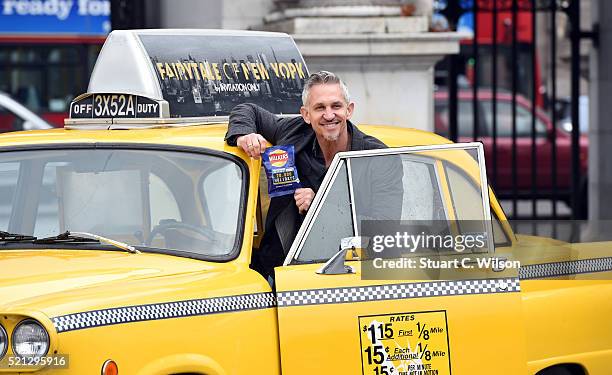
[[52, 17]]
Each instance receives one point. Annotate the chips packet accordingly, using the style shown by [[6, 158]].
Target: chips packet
[[279, 163]]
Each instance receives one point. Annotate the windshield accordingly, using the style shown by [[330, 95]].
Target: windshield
[[182, 201]]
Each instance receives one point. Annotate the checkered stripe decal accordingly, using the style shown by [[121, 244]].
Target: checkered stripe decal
[[397, 291], [574, 267], [128, 314]]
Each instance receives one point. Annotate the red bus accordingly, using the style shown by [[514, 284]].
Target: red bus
[[523, 60]]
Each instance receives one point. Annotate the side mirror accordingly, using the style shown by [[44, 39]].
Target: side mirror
[[354, 254], [353, 247], [350, 249]]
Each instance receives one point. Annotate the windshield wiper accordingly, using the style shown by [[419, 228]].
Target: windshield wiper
[[75, 237], [6, 236], [110, 241]]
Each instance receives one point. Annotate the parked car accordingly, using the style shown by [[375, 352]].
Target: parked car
[[133, 228], [500, 173], [15, 116]]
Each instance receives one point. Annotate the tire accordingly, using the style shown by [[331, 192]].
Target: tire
[[557, 370]]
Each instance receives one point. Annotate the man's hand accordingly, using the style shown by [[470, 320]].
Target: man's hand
[[303, 199], [253, 144]]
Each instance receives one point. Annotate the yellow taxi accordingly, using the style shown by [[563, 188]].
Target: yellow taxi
[[127, 238]]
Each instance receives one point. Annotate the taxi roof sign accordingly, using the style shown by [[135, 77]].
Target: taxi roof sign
[[190, 74]]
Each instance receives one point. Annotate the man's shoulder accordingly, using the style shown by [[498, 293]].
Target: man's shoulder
[[363, 141], [373, 143]]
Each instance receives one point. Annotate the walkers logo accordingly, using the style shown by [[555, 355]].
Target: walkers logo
[[278, 158], [279, 163]]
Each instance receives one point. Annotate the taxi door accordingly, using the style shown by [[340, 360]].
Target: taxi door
[[346, 316]]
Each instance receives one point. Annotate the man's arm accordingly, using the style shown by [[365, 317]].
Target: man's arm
[[250, 126]]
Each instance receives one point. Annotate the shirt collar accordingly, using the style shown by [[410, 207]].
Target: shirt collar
[[355, 143]]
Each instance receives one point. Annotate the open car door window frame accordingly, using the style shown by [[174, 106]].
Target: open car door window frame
[[342, 160]]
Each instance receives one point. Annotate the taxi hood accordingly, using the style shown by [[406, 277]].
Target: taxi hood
[[57, 282]]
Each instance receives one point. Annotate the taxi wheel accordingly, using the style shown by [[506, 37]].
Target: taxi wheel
[[173, 224], [558, 370]]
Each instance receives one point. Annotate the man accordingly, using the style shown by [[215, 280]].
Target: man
[[322, 131]]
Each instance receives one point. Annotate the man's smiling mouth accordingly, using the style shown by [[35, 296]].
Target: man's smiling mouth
[[330, 125]]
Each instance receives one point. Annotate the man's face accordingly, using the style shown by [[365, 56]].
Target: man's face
[[327, 111]]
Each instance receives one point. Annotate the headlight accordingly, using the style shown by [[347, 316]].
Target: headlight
[[3, 342], [30, 339]]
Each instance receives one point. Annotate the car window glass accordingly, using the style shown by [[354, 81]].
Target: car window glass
[[421, 198], [61, 73], [9, 173], [389, 187], [524, 118], [220, 203], [48, 223], [499, 236], [465, 119], [396, 187], [171, 200], [504, 120], [119, 208], [467, 199], [332, 223], [165, 205], [467, 202]]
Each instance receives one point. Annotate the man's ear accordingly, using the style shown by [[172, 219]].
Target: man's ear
[[350, 109], [305, 114]]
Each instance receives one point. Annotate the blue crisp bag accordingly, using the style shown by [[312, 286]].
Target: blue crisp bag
[[279, 162]]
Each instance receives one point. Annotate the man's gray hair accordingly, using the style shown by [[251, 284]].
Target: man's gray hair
[[321, 78]]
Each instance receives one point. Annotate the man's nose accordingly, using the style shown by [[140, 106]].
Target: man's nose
[[329, 114]]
